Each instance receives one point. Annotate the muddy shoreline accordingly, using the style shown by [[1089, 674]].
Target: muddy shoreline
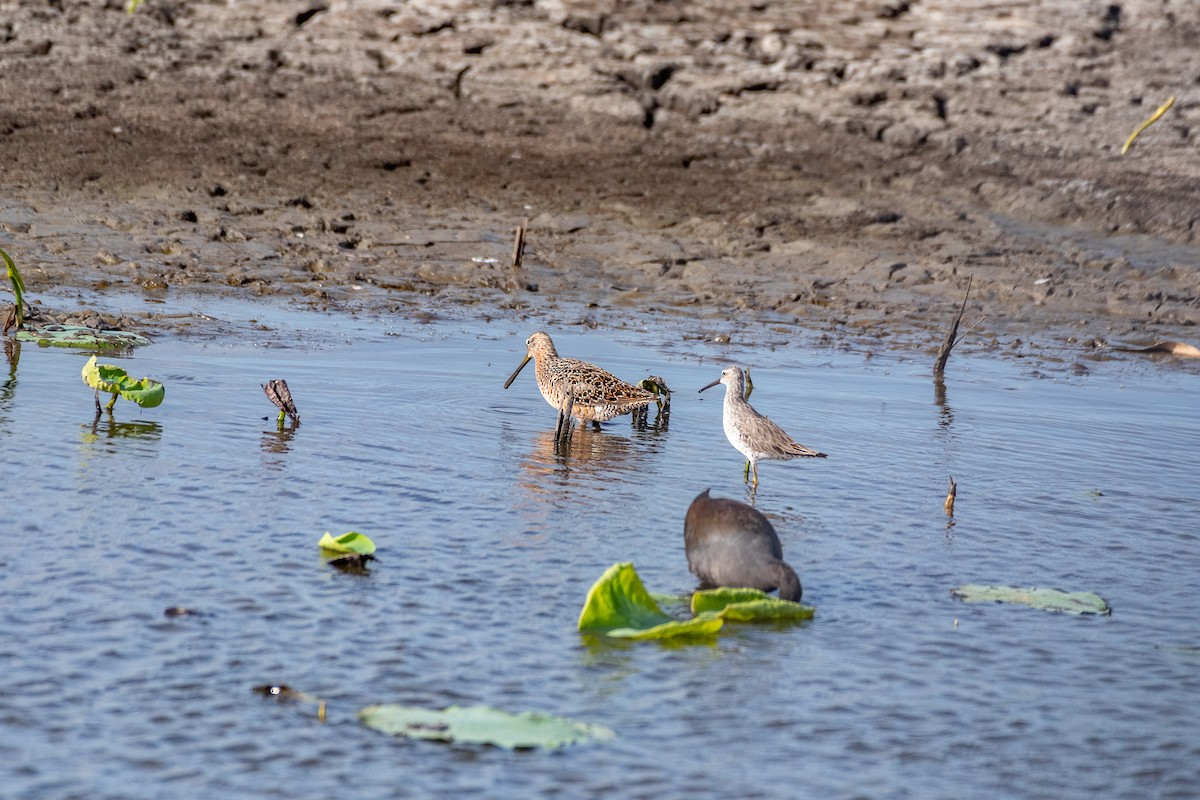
[[841, 168]]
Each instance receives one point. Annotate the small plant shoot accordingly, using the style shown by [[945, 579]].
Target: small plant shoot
[[17, 318]]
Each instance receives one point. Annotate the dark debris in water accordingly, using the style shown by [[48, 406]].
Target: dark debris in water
[[352, 563]]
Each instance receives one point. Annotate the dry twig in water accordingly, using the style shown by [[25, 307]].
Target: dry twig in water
[[939, 364], [950, 495]]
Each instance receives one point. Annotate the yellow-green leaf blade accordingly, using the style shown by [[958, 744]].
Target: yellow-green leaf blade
[[618, 605], [748, 605], [351, 542]]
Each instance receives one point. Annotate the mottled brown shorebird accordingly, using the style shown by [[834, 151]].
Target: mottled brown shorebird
[[583, 390], [731, 544], [752, 434]]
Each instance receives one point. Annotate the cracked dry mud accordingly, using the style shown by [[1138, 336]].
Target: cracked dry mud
[[841, 167]]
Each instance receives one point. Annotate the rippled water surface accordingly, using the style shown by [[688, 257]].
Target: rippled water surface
[[1074, 479]]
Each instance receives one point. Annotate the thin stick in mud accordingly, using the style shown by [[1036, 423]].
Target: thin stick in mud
[[519, 244]]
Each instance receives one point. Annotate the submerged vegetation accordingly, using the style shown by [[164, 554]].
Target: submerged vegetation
[[482, 725]]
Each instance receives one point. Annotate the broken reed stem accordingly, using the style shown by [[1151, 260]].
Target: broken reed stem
[[939, 364], [519, 244], [950, 495]]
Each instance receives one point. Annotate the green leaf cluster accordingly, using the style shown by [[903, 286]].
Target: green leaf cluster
[[618, 605], [748, 605], [146, 392], [1046, 599], [482, 725]]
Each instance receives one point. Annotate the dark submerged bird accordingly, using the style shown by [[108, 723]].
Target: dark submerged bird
[[729, 543]]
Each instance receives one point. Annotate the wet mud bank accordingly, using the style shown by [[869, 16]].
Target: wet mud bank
[[842, 167]]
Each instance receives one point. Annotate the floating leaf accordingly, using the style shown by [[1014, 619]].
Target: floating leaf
[[481, 725], [146, 392], [1047, 599], [748, 605], [54, 335], [618, 605], [351, 542]]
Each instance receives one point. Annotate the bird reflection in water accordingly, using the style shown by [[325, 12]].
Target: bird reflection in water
[[586, 454]]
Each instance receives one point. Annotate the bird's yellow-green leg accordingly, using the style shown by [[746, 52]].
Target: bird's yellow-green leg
[[756, 476], [279, 422], [746, 473]]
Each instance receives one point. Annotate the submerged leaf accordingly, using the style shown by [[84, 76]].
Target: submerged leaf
[[618, 605], [1047, 599], [54, 335], [748, 605], [146, 392], [351, 542], [481, 725]]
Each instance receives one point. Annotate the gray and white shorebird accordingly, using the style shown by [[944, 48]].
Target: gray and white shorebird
[[729, 543], [752, 434]]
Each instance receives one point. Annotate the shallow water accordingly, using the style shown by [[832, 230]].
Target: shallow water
[[489, 541]]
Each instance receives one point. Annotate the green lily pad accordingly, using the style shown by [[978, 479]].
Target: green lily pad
[[618, 605], [146, 392], [748, 605], [1047, 599], [80, 336], [351, 542], [481, 725]]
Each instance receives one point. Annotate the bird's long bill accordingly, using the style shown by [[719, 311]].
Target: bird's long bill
[[714, 383], [517, 371]]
